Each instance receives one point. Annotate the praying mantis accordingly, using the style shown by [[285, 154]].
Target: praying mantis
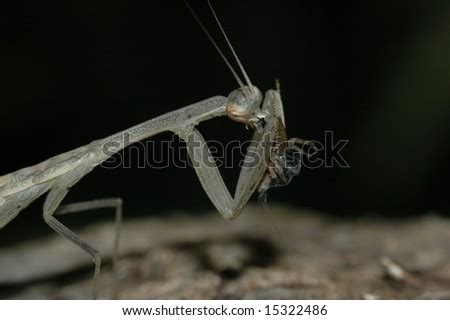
[[270, 160]]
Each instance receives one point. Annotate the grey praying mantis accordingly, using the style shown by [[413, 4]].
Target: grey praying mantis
[[276, 164]]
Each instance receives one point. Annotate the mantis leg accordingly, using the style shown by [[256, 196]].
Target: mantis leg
[[52, 207], [115, 203]]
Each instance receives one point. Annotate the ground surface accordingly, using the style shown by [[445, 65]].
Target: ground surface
[[285, 254]]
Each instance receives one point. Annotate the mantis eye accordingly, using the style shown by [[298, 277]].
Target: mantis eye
[[238, 113], [244, 105]]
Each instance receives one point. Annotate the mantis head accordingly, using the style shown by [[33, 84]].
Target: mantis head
[[243, 106]]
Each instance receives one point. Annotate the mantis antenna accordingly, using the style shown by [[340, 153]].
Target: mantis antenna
[[247, 79], [241, 84]]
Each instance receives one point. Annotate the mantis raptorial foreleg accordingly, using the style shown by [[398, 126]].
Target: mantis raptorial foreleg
[[252, 171], [52, 207], [212, 181]]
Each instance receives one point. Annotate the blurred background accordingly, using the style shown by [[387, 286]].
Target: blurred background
[[376, 73]]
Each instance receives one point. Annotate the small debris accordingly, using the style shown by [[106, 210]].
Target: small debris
[[395, 272], [370, 296]]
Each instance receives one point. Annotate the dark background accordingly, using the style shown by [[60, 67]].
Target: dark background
[[374, 72]]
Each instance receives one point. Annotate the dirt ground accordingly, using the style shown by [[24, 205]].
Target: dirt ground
[[285, 254]]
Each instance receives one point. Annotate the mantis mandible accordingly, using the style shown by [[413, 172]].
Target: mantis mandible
[[276, 165]]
